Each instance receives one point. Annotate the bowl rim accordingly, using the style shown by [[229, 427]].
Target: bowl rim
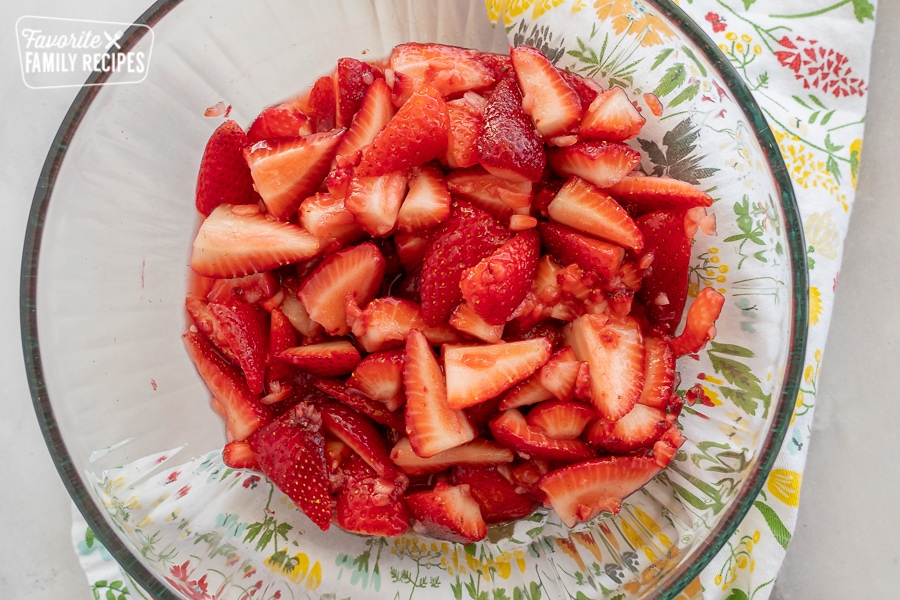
[[682, 576]]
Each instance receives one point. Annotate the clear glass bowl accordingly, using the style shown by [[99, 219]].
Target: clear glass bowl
[[127, 418]]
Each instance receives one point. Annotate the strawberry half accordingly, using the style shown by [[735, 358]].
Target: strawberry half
[[386, 322], [374, 113], [428, 201], [478, 452], [380, 377], [560, 419], [508, 144], [547, 97], [449, 69], [663, 290], [640, 428], [370, 504], [244, 328], [659, 372], [569, 246], [584, 207], [510, 429], [501, 198], [280, 120], [498, 498], [325, 216], [375, 202], [644, 194], [448, 512], [464, 318], [602, 163], [322, 103], [224, 177], [700, 322], [352, 79], [465, 122], [611, 116], [326, 359]]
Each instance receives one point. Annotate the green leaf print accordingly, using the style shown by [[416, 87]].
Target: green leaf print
[[672, 80], [863, 9], [747, 392], [688, 93], [737, 594], [678, 160], [748, 4], [781, 533]]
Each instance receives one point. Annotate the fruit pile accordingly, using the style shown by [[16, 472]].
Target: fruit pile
[[436, 293]]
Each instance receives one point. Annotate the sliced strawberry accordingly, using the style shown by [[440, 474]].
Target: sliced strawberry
[[282, 335], [410, 249], [644, 193], [291, 452], [547, 98], [664, 287], [375, 202], [224, 177], [476, 373], [359, 402], [659, 372], [370, 504], [569, 246], [613, 349], [325, 359], [325, 216], [374, 113], [202, 317], [448, 513], [280, 120], [525, 393], [500, 197], [238, 455], [500, 65], [497, 497], [465, 319], [251, 289], [380, 377], [666, 447], [508, 144], [601, 163], [639, 428], [356, 271], [700, 323], [497, 285], [352, 79], [287, 170], [466, 118], [478, 452], [581, 491], [587, 89], [431, 424], [298, 316], [360, 433], [612, 117], [582, 206], [244, 328], [449, 69], [386, 322], [560, 419], [522, 222], [322, 103], [428, 201], [510, 429], [413, 136], [559, 373]]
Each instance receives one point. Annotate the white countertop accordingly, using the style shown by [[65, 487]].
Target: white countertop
[[848, 531]]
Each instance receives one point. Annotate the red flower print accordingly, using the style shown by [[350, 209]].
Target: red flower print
[[197, 589], [718, 23], [819, 67]]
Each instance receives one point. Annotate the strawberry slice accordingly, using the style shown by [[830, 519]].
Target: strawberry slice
[[600, 162], [280, 120], [700, 322], [581, 491], [238, 455], [500, 197], [639, 428], [582, 206], [244, 328], [449, 69], [375, 202], [432, 426], [497, 285], [413, 136], [370, 504], [613, 349], [322, 103], [410, 249], [356, 271], [569, 246], [508, 144], [559, 373], [644, 194], [375, 111], [448, 512], [386, 322], [360, 433], [547, 98], [232, 399], [428, 201], [500, 65], [478, 452], [325, 359], [587, 89], [325, 216], [466, 117], [560, 419], [251, 289], [498, 498], [282, 335], [612, 117], [359, 402], [380, 377], [659, 372], [351, 80], [465, 319], [291, 452], [510, 429], [525, 393], [203, 320], [477, 373], [664, 287], [224, 177], [287, 170]]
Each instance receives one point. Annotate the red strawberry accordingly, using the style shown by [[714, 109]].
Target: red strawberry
[[581, 491], [287, 170], [375, 202], [547, 97], [525, 393], [428, 201], [359, 402], [478, 452], [477, 373], [601, 163], [666, 447], [611, 116], [582, 206], [465, 319], [510, 429], [587, 89], [448, 513], [322, 103], [251, 289], [291, 452], [659, 372], [326, 359], [352, 79], [374, 113], [560, 419], [508, 144], [664, 287], [282, 335], [700, 323], [644, 194], [410, 249], [500, 65], [569, 246], [496, 496], [238, 455], [449, 69], [280, 120], [356, 271], [465, 122], [203, 319], [380, 377], [326, 217], [639, 428], [413, 136], [370, 504], [386, 322], [224, 177], [431, 424], [500, 197], [244, 328], [360, 433]]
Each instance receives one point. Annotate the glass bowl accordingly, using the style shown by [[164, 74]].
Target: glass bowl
[[127, 418]]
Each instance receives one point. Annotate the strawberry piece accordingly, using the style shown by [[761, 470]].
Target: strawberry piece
[[413, 136], [569, 246], [461, 242], [375, 202], [700, 322], [497, 497], [612, 117], [449, 69], [380, 377], [510, 429], [244, 327], [251, 289], [478, 452], [410, 249], [359, 402], [559, 373], [599, 162], [428, 201], [644, 194], [581, 491], [500, 197], [282, 335], [238, 455], [202, 318], [232, 399], [352, 79], [287, 170], [375, 111], [546, 96], [465, 319], [639, 428], [291, 452], [587, 89], [560, 419], [298, 316], [448, 513], [224, 177], [525, 393], [665, 448], [476, 373], [432, 426], [582, 206], [664, 287], [360, 433], [659, 372], [370, 504], [499, 282], [466, 118], [280, 120], [613, 349], [386, 322], [508, 144], [356, 272], [326, 359], [326, 217], [322, 103]]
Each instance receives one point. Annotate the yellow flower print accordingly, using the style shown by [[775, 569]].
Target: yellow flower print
[[785, 485], [628, 16], [822, 234], [495, 8], [855, 153], [542, 6], [514, 8], [577, 6], [815, 305]]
